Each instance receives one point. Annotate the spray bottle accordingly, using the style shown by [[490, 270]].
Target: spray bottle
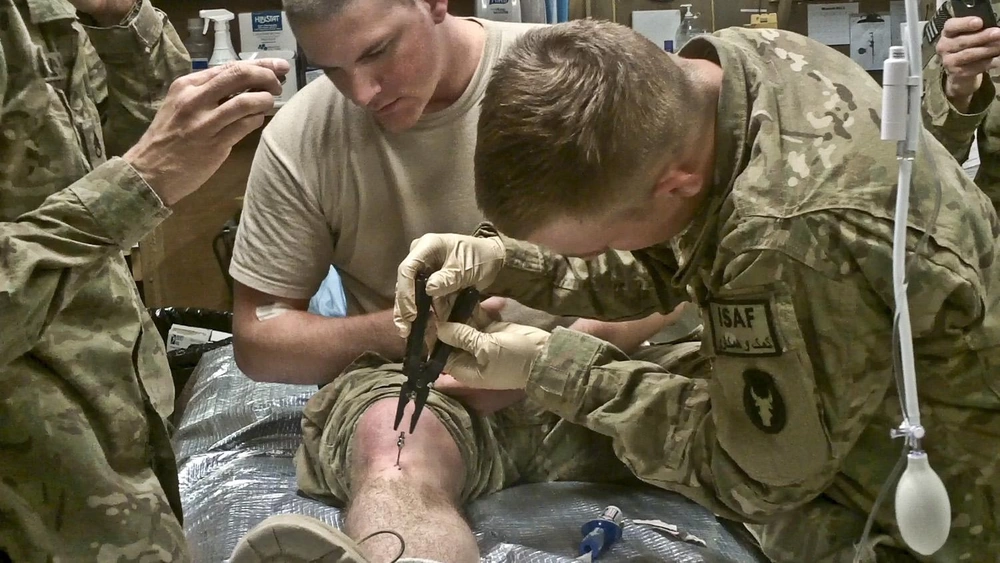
[[223, 51], [198, 46], [690, 26]]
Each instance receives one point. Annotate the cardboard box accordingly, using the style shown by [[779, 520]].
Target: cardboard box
[[266, 31], [764, 21]]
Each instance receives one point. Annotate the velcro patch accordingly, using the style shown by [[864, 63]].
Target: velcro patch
[[743, 327], [763, 402]]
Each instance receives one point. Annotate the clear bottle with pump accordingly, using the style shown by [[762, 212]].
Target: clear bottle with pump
[[499, 10], [690, 27], [223, 51], [198, 46]]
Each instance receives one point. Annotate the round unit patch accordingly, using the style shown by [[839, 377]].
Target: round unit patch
[[762, 401]]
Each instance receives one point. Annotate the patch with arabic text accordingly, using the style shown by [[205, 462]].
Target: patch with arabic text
[[743, 327]]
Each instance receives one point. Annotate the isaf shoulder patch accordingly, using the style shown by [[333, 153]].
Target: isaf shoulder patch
[[743, 327]]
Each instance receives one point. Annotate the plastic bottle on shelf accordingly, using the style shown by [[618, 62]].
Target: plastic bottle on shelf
[[223, 51], [690, 27], [197, 44]]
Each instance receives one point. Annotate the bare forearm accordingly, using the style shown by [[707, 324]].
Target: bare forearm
[[302, 348], [627, 336]]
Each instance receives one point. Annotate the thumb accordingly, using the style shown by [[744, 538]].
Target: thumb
[[461, 336], [959, 26], [464, 372], [444, 281]]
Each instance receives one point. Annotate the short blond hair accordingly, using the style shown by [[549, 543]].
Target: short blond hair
[[316, 11], [574, 114]]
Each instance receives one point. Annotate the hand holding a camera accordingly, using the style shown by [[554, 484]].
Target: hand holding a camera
[[969, 47]]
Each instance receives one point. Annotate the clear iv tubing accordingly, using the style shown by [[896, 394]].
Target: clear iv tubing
[[923, 510], [912, 405], [902, 86], [908, 150]]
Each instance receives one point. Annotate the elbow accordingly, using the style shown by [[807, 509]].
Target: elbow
[[758, 503], [246, 361], [759, 489], [250, 359]]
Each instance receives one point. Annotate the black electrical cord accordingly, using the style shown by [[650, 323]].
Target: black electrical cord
[[402, 542]]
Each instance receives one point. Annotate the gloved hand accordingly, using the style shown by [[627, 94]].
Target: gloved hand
[[483, 401], [453, 262], [497, 357], [486, 312]]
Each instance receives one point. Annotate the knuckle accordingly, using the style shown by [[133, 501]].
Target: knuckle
[[179, 85], [186, 101], [235, 69]]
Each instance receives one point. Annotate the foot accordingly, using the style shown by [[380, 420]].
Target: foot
[[293, 538]]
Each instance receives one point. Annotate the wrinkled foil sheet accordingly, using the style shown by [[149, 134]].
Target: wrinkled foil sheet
[[235, 442]]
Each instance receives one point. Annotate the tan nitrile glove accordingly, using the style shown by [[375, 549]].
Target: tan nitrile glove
[[498, 357], [453, 263]]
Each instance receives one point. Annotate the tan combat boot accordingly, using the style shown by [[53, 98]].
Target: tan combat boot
[[294, 538]]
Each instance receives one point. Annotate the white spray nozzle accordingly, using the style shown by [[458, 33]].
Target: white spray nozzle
[[216, 15]]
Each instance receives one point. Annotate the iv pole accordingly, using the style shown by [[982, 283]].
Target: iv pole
[[923, 511]]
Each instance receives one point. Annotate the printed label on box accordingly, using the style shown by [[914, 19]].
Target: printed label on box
[[265, 31]]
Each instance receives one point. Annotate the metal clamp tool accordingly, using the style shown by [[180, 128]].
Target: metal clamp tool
[[420, 371]]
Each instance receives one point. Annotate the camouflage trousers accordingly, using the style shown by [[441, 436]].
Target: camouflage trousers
[[523, 443], [518, 444], [68, 492]]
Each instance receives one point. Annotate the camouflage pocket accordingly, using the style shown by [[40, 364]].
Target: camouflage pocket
[[763, 388]]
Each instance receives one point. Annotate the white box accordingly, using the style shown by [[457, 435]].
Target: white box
[[266, 31], [659, 26], [181, 336], [313, 75]]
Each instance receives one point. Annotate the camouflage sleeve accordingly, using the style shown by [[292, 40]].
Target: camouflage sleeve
[[612, 287], [143, 56], [799, 366], [953, 128], [44, 250]]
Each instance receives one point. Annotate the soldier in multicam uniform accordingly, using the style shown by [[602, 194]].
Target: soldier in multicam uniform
[[391, 134], [748, 175], [960, 93], [86, 468]]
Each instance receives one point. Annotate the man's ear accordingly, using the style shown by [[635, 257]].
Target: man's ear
[[438, 9], [676, 183]]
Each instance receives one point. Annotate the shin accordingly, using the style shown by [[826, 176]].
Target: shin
[[417, 499]]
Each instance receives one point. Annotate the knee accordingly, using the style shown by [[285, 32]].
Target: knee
[[430, 454]]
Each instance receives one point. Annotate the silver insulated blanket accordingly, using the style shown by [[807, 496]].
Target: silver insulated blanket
[[236, 439]]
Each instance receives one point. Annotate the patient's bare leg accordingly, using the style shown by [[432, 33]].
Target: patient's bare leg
[[418, 499]]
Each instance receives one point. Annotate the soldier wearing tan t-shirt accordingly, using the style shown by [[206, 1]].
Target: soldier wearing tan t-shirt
[[348, 173]]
